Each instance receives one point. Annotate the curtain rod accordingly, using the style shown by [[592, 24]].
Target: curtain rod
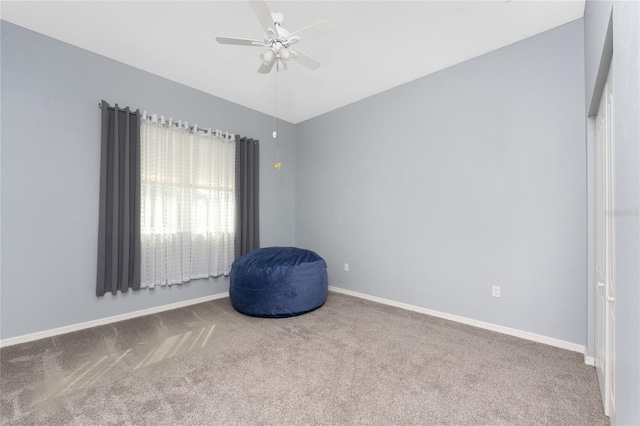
[[112, 107], [192, 129], [160, 120]]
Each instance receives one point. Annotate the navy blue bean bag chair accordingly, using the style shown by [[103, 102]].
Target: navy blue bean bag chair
[[277, 282]]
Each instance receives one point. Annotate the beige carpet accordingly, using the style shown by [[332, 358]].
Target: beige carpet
[[349, 362]]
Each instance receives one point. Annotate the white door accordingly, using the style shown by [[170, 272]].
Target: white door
[[605, 283]]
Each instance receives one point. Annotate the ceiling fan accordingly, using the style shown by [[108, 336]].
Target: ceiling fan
[[278, 40]]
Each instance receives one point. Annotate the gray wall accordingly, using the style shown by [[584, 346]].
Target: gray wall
[[626, 92], [50, 173], [471, 177]]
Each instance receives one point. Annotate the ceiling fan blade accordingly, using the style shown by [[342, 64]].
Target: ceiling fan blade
[[266, 69], [305, 60], [261, 10], [239, 41], [311, 32]]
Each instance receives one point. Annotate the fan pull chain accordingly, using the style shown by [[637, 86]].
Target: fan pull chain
[[277, 164]]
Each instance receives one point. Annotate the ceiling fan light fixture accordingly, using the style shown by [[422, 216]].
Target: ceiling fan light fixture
[[284, 54], [267, 56]]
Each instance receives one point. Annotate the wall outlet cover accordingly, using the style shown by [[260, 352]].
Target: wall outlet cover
[[495, 291]]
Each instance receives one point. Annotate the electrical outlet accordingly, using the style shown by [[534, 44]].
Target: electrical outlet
[[495, 291], [346, 267]]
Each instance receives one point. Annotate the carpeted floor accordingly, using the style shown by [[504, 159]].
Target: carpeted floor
[[350, 362]]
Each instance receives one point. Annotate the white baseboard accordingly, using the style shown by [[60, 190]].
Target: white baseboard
[[589, 360], [475, 323], [116, 318]]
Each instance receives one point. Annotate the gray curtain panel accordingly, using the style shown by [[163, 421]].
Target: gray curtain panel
[[247, 200], [119, 217]]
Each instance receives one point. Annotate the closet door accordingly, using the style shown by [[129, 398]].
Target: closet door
[[605, 282]]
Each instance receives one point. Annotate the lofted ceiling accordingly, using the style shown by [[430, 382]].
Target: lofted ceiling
[[374, 45]]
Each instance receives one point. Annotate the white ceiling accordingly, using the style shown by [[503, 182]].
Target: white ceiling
[[374, 45]]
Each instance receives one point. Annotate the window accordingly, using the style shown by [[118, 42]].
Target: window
[[187, 202]]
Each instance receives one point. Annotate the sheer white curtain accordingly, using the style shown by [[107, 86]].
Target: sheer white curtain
[[188, 202]]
